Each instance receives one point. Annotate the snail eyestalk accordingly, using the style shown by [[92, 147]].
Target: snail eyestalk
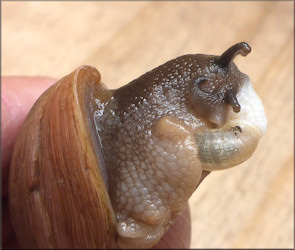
[[227, 56], [232, 100]]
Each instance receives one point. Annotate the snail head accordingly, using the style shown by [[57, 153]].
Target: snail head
[[213, 90]]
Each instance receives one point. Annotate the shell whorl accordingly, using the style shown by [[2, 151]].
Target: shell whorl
[[237, 140], [227, 146], [55, 171]]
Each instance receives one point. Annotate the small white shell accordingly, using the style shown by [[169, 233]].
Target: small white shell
[[237, 140], [228, 146]]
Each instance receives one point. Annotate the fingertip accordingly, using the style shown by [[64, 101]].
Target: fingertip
[[178, 235]]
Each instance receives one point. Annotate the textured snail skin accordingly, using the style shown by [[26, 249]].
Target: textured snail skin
[[99, 168], [158, 134]]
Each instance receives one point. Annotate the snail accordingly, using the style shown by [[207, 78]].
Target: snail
[[100, 168]]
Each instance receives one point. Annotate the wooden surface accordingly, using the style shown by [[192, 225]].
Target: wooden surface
[[247, 206]]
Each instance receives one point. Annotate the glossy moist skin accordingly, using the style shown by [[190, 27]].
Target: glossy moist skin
[[148, 131]]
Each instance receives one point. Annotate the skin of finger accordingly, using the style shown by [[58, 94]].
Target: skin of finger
[[179, 234], [18, 95]]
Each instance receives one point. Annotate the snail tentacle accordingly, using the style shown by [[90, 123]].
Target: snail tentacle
[[237, 140], [232, 100], [227, 56]]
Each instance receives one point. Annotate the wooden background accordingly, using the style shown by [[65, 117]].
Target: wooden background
[[247, 206]]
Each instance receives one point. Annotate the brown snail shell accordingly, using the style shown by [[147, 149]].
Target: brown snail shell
[[62, 195], [57, 139]]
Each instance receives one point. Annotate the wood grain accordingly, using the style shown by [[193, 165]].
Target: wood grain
[[247, 206]]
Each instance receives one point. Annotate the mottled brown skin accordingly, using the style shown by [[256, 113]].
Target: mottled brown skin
[[210, 83], [147, 132]]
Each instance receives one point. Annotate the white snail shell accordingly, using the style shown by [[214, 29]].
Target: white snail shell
[[237, 140]]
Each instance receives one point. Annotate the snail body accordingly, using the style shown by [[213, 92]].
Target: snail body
[[98, 168]]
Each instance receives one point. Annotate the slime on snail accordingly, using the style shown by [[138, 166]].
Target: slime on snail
[[152, 140]]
